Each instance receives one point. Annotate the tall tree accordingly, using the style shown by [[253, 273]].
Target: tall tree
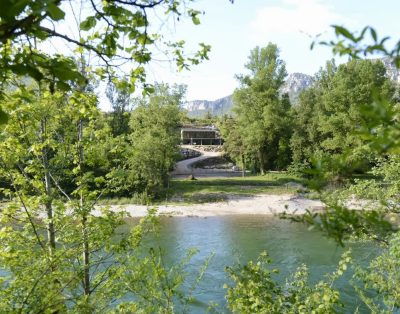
[[261, 112], [63, 256], [306, 139], [154, 138], [58, 252], [330, 114]]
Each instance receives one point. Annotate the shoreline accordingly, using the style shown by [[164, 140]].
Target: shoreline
[[262, 204]]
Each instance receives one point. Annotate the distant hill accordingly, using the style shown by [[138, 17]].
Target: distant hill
[[391, 71], [199, 108], [295, 83]]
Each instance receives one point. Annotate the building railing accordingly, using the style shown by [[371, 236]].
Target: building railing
[[202, 141]]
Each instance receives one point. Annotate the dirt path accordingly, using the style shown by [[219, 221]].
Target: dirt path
[[185, 168]]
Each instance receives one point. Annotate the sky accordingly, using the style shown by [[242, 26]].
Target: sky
[[234, 29]]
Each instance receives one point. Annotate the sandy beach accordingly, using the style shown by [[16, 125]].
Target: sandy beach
[[255, 205]]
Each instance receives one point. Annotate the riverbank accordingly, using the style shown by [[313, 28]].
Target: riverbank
[[262, 204], [270, 194]]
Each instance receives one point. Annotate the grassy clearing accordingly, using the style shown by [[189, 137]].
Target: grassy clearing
[[206, 190]]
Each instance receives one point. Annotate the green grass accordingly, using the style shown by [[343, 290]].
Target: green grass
[[207, 190], [219, 189]]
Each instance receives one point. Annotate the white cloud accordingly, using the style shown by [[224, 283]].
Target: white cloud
[[294, 16]]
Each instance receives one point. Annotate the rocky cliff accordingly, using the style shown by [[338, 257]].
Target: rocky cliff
[[200, 108], [391, 71], [295, 84]]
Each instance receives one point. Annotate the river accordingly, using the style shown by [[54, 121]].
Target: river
[[243, 238]]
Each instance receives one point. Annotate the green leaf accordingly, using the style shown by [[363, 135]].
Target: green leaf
[[88, 24], [21, 69], [142, 39], [3, 117], [194, 15], [34, 73], [63, 86], [64, 69], [373, 34], [195, 20], [14, 8], [139, 20], [55, 12], [339, 30]]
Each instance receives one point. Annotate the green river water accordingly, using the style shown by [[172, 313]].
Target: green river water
[[242, 238]]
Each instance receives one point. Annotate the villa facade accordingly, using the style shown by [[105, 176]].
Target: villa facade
[[200, 135]]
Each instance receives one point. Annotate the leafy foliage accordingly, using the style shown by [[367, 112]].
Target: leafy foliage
[[59, 252], [360, 44], [256, 291], [56, 257], [382, 277], [121, 106], [118, 30], [151, 148], [112, 33], [331, 115], [367, 208], [263, 116]]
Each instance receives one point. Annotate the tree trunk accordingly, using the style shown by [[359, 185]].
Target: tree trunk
[[86, 256], [261, 161], [51, 234], [84, 213], [243, 166], [85, 234]]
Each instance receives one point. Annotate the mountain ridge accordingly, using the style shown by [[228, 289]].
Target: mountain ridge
[[294, 85]]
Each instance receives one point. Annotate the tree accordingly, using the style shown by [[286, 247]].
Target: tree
[[113, 23], [262, 114], [233, 143], [330, 114], [354, 85], [58, 252], [121, 107], [48, 133], [376, 195], [154, 139], [305, 141]]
